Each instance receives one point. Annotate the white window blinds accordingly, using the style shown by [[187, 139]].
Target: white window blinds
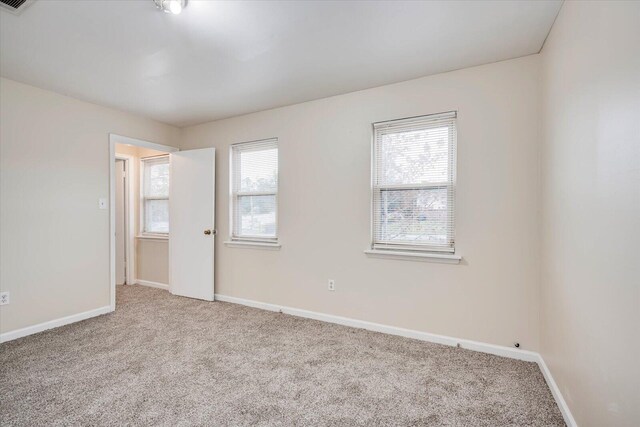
[[414, 183], [254, 191], [155, 195]]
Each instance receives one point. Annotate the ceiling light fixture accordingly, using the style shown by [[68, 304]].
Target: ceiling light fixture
[[171, 6]]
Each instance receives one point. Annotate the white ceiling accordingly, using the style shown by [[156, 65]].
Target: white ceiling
[[224, 58]]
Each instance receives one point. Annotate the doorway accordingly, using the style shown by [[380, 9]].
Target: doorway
[[137, 257], [166, 215]]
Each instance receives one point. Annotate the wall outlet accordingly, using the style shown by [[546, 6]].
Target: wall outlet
[[4, 298], [332, 285]]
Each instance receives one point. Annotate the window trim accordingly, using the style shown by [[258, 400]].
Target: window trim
[[248, 240], [403, 250], [440, 257], [253, 245], [143, 199]]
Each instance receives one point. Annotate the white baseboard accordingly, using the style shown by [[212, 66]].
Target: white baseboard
[[498, 350], [30, 330], [557, 395], [152, 284]]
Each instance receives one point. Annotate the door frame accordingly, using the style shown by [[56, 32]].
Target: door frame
[[129, 218], [113, 140]]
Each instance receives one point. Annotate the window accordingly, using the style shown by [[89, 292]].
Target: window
[[155, 195], [254, 191], [414, 183]]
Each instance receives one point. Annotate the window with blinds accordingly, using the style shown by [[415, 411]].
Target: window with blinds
[[254, 191], [414, 183], [155, 195]]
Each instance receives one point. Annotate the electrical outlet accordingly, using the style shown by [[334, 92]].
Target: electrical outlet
[[332, 285], [4, 298]]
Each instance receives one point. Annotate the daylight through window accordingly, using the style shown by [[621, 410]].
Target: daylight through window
[[155, 195], [254, 191], [414, 183]]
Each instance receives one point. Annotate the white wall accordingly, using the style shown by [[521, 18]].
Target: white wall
[[324, 205], [54, 241], [591, 210], [152, 260]]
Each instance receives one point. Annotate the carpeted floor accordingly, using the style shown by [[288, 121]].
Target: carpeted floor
[[166, 360]]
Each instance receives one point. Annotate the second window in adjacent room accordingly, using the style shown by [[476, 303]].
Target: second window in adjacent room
[[155, 195]]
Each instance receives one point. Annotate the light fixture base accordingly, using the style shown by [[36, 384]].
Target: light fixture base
[[170, 6]]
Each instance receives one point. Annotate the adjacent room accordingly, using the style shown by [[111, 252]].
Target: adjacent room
[[319, 213]]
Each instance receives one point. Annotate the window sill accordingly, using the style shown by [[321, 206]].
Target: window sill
[[414, 256], [252, 245], [151, 237]]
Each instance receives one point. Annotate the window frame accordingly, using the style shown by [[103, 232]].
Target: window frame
[[235, 195], [449, 185], [144, 198]]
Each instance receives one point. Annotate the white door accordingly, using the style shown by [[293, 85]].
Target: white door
[[120, 223], [191, 219]]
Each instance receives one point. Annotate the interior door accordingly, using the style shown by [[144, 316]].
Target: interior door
[[191, 218], [120, 223]]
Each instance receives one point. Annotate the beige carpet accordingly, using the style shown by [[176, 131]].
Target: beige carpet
[[166, 360]]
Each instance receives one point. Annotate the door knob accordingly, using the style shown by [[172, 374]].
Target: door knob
[[207, 232]]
